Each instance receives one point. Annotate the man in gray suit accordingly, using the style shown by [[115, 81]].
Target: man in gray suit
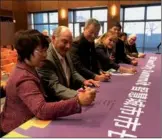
[[59, 77]]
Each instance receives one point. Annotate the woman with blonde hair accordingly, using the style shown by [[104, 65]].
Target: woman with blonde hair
[[105, 49], [130, 47]]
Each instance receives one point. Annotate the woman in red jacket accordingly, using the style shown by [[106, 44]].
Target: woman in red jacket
[[24, 93]]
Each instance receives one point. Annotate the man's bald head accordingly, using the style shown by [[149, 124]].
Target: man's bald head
[[60, 30], [62, 39], [45, 32]]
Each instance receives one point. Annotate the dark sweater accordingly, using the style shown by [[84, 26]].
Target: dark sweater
[[120, 55], [103, 56], [131, 50], [83, 56]]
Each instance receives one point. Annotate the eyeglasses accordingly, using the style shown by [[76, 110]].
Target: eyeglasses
[[133, 39], [41, 52]]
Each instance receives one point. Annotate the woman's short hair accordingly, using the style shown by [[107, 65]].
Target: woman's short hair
[[25, 42]]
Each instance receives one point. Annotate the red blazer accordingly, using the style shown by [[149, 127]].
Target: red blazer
[[24, 100]]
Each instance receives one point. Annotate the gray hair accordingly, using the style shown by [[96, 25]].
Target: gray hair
[[58, 30], [93, 21]]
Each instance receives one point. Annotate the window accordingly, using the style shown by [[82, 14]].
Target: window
[[70, 16], [82, 16], [121, 14], [134, 13], [146, 25], [105, 27], [78, 17], [100, 14], [43, 21], [152, 35], [40, 18], [53, 17], [154, 12], [52, 27], [135, 28], [76, 29], [41, 27]]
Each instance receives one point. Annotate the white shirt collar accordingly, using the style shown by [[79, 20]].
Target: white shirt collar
[[57, 53]]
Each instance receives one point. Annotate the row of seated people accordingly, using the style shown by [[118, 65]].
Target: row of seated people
[[57, 79]]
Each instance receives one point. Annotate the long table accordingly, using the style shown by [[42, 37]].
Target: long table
[[124, 107]]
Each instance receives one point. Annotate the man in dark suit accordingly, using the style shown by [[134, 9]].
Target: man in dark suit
[[59, 77], [120, 55], [83, 53]]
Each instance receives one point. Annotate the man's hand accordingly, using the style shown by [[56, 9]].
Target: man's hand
[[104, 76], [134, 62], [141, 55], [91, 82], [112, 58], [87, 96]]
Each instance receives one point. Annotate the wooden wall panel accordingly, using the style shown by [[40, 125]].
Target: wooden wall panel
[[137, 2], [6, 37], [86, 4], [49, 5], [6, 4], [33, 6], [70, 4], [20, 14], [63, 5], [45, 5], [6, 13], [116, 18], [133, 2]]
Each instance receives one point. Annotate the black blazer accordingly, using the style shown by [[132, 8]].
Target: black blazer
[[103, 58], [131, 50], [83, 55], [120, 55]]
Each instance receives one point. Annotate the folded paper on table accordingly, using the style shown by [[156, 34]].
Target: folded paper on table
[[117, 73]]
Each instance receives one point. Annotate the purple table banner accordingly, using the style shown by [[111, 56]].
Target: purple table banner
[[127, 106]]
